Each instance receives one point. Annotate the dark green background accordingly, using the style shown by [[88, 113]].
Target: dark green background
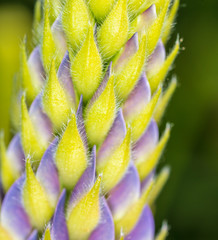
[[189, 201]]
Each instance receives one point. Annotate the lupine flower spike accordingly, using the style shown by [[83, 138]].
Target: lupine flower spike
[[85, 112]]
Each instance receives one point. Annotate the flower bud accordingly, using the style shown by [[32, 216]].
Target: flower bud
[[158, 77], [153, 33], [132, 215], [30, 88], [31, 141], [140, 121], [113, 33], [86, 67], [84, 217], [75, 21], [116, 164], [71, 155], [127, 77], [54, 99], [35, 199], [145, 167], [169, 21], [48, 44], [100, 113]]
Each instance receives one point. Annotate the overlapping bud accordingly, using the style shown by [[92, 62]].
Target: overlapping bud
[[82, 163]]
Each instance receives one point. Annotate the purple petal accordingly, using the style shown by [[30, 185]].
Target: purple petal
[[108, 72], [113, 139], [65, 78], [156, 59], [1, 191], [138, 98], [105, 229], [13, 215], [59, 227], [15, 154], [33, 236], [147, 18], [125, 193], [100, 88], [40, 120], [147, 180], [145, 228], [36, 67], [130, 49], [147, 142], [80, 122], [79, 112], [59, 37], [47, 173], [85, 182]]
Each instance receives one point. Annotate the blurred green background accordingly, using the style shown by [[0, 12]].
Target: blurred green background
[[189, 201]]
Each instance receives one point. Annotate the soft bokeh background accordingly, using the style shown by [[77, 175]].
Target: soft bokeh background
[[189, 201]]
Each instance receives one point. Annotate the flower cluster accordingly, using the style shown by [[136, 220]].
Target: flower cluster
[[86, 108]]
